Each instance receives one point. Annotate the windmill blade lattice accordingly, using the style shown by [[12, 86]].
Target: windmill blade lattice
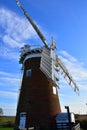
[[60, 67]]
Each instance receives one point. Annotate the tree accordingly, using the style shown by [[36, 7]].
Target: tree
[[1, 111]]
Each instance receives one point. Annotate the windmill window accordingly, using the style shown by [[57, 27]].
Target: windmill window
[[28, 72], [23, 114], [54, 90]]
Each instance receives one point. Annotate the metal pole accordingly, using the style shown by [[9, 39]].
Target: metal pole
[[69, 118]]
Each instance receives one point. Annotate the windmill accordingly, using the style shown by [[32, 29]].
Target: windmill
[[38, 101]]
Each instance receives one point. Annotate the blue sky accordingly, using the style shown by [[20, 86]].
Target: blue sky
[[66, 21]]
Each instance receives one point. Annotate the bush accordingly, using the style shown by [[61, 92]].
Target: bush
[[9, 124]]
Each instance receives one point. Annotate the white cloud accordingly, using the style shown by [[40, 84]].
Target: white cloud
[[2, 73], [14, 33], [75, 67], [6, 94], [15, 27], [9, 80], [9, 109], [11, 42], [7, 74], [8, 53], [70, 58]]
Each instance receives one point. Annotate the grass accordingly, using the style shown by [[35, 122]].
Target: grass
[[6, 122], [6, 119], [8, 128]]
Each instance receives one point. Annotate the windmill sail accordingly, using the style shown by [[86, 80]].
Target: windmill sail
[[46, 62], [32, 23], [60, 67]]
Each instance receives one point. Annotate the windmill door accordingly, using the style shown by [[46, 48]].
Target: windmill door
[[22, 120]]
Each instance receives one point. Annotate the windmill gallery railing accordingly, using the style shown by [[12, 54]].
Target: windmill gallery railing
[[67, 126]]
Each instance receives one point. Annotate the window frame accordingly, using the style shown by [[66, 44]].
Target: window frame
[[28, 72], [54, 90]]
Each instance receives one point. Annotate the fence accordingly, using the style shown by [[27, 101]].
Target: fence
[[67, 126]]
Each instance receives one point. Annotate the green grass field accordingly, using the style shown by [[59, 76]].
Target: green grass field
[[7, 120], [8, 128]]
